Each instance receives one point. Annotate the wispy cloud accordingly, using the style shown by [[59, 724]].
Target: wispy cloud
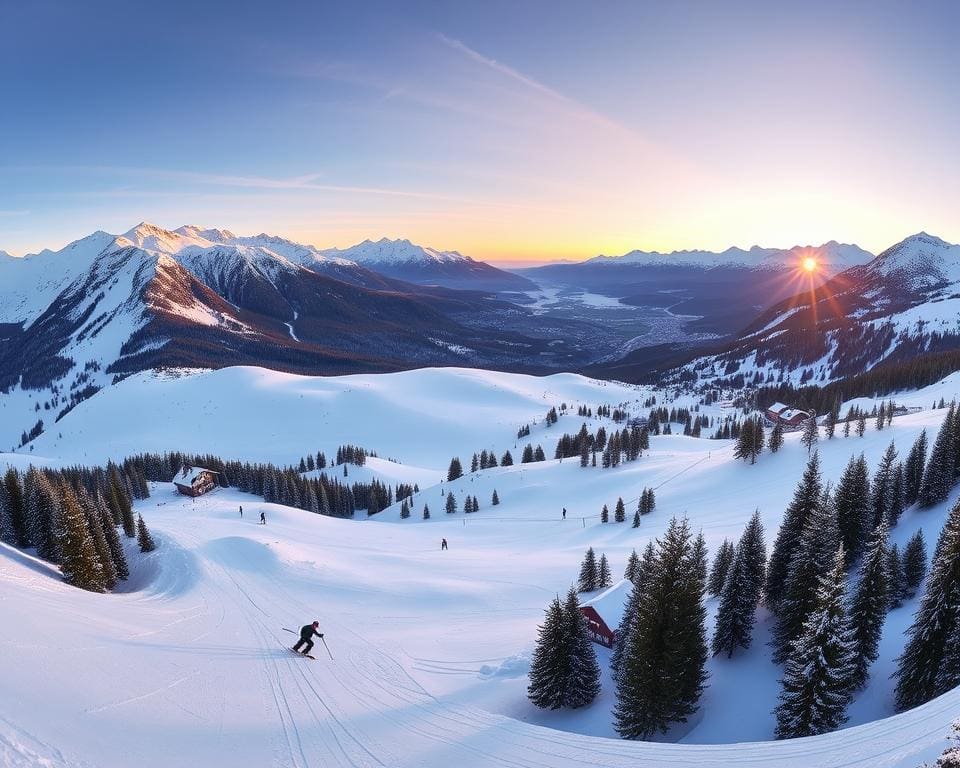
[[13, 214]]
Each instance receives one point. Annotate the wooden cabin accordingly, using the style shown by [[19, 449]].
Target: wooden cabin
[[195, 481], [605, 611], [778, 413]]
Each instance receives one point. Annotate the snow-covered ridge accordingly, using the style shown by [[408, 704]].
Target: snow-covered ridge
[[832, 257], [385, 251], [924, 261]]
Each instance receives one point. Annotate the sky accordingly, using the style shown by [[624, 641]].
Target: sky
[[509, 131]]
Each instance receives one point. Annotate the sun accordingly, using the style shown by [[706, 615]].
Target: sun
[[809, 264]]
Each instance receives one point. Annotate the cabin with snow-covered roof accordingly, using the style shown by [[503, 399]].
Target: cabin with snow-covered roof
[[604, 612], [778, 413], [195, 481]]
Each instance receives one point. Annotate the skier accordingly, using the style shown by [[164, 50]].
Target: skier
[[564, 513], [263, 518], [443, 544], [306, 634], [241, 511]]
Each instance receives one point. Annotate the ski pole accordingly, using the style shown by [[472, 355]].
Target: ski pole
[[322, 640], [288, 630]]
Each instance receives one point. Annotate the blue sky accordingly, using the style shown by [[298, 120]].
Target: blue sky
[[507, 130]]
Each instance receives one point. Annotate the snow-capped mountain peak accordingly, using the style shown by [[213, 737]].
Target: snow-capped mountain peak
[[921, 260], [211, 235], [393, 252]]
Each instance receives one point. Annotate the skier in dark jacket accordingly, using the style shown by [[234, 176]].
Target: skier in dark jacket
[[306, 634]]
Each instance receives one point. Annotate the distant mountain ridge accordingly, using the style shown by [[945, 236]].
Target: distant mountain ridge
[[832, 257]]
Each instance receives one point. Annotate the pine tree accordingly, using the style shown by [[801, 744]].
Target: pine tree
[[750, 442], [739, 597], [98, 535], [113, 540], [812, 559], [661, 673], [721, 564], [913, 469], [144, 539], [549, 666], [861, 425], [914, 563], [868, 609], [619, 512], [78, 559], [934, 622], [896, 505], [455, 470], [126, 511], [584, 684], [14, 497], [776, 437], [494, 500], [40, 504], [852, 503], [633, 564], [810, 433], [817, 680], [938, 478], [754, 543], [636, 519], [451, 503], [589, 572], [404, 510], [604, 578], [898, 585], [882, 497], [806, 500], [604, 514], [7, 533], [426, 512]]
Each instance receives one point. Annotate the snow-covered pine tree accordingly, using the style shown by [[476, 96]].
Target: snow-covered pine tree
[[506, 460], [721, 564], [881, 497], [99, 537], [896, 506], [756, 553], [426, 512], [78, 556], [898, 585], [636, 519], [144, 539], [41, 502], [811, 432], [604, 514], [750, 441], [934, 622], [737, 610], [604, 577], [806, 500], [852, 503], [476, 504], [868, 608], [661, 675], [494, 500], [451, 503], [861, 424], [455, 470], [701, 560], [816, 685], [776, 437], [113, 540], [549, 666], [640, 580], [813, 557], [633, 563], [589, 572], [913, 469], [939, 475], [619, 511], [584, 682], [404, 510], [914, 563], [7, 533]]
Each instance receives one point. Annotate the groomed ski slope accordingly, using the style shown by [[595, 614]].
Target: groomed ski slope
[[190, 666]]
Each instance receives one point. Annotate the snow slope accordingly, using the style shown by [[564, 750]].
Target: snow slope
[[419, 417], [431, 650]]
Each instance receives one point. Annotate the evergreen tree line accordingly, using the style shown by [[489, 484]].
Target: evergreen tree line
[[622, 445], [353, 454], [645, 505], [309, 463], [70, 517]]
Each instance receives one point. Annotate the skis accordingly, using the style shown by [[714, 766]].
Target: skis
[[307, 655]]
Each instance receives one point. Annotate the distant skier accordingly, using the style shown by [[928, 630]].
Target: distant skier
[[263, 518], [306, 638], [564, 513], [241, 511], [443, 544]]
